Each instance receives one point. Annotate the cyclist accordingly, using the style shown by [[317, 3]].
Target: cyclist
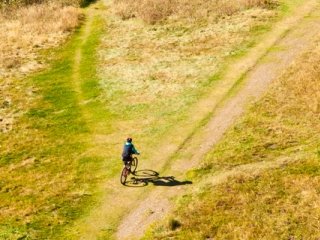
[[128, 150]]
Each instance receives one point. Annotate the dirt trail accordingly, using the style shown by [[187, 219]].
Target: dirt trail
[[78, 55], [288, 39], [103, 221], [160, 204], [252, 169]]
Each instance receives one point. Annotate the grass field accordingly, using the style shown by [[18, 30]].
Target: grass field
[[153, 12], [26, 30], [64, 138], [160, 70], [45, 184], [282, 203]]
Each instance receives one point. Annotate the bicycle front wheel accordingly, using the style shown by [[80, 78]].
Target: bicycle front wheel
[[124, 175], [134, 164]]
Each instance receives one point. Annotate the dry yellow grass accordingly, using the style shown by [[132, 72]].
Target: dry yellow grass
[[303, 89], [152, 11], [26, 30], [149, 63], [280, 204], [286, 119], [9, 4]]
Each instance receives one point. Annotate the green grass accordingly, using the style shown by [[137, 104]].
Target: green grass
[[55, 188], [164, 112], [90, 86]]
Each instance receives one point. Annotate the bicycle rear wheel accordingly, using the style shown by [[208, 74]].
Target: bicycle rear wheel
[[124, 175], [134, 164]]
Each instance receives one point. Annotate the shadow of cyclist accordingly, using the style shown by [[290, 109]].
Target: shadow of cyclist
[[146, 176], [168, 182]]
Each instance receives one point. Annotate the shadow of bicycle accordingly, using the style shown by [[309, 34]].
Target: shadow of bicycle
[[144, 177]]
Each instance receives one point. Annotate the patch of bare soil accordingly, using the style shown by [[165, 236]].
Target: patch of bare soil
[[259, 74]]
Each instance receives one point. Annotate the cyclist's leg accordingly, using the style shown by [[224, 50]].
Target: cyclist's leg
[[129, 162], [125, 160]]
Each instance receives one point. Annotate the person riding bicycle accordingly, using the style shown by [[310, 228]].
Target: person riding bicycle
[[128, 150]]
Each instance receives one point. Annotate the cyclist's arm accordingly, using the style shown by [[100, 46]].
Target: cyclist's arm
[[134, 150]]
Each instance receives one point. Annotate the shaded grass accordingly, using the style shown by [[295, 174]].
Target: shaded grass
[[18, 3]]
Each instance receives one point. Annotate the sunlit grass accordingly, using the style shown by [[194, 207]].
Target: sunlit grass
[[49, 184], [279, 203], [49, 178]]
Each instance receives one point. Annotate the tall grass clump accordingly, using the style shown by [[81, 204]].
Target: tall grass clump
[[153, 11]]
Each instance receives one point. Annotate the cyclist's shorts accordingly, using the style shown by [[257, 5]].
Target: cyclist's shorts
[[127, 158]]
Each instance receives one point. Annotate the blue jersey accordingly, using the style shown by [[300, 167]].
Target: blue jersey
[[128, 150]]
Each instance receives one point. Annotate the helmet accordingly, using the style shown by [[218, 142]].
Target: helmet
[[129, 139]]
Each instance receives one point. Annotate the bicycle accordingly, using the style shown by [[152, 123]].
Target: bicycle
[[130, 167]]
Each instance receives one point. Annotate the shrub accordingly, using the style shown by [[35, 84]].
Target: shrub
[[174, 224]]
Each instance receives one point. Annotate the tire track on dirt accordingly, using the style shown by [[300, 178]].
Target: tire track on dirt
[[290, 37]]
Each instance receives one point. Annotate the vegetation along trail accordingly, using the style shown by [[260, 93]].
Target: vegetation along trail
[[254, 73]]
